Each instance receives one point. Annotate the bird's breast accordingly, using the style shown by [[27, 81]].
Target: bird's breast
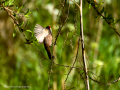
[[48, 39]]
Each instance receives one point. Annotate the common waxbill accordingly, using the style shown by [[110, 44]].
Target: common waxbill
[[44, 35]]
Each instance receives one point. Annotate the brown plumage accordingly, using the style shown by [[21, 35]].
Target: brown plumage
[[44, 35]]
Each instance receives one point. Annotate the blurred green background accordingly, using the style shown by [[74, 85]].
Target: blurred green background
[[24, 64]]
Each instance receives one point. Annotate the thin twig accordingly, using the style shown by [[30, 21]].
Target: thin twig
[[94, 6], [73, 62], [6, 9], [60, 26], [57, 63], [105, 83], [50, 71], [75, 3], [113, 81]]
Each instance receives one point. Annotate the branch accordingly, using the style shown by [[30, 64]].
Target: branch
[[63, 22], [94, 6], [105, 83], [15, 21], [6, 9], [75, 3], [113, 81], [83, 48]]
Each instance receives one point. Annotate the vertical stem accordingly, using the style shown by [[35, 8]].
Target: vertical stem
[[83, 48]]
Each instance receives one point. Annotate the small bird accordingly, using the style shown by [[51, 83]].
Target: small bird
[[44, 35]]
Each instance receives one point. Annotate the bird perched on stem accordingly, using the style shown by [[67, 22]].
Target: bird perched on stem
[[44, 35]]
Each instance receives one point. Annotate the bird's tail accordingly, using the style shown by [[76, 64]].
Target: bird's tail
[[48, 50]]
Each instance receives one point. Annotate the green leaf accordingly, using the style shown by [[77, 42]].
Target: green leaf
[[101, 17], [106, 14], [21, 24], [21, 8], [102, 10], [32, 35], [89, 6], [11, 2], [114, 21], [110, 16], [26, 23], [29, 31], [14, 35], [26, 16], [101, 3], [14, 14], [28, 12], [11, 5], [8, 3]]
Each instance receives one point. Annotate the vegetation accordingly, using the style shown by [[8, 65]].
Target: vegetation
[[24, 62]]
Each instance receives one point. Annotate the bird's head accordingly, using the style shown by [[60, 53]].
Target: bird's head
[[49, 28]]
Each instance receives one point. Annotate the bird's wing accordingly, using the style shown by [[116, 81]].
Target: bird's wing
[[40, 33]]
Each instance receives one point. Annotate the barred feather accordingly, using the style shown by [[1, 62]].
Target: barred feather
[[40, 33]]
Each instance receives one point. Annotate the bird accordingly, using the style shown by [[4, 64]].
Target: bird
[[44, 35]]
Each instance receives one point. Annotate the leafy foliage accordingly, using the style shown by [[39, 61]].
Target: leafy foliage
[[24, 61]]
